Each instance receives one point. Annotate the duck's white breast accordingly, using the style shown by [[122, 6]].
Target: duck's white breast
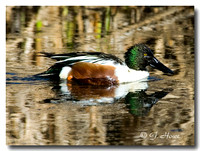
[[126, 74]]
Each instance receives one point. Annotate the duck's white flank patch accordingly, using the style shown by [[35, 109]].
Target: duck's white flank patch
[[64, 72], [126, 74]]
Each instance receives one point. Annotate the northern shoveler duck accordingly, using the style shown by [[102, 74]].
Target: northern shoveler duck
[[98, 68]]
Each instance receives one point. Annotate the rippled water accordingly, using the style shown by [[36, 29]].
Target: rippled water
[[159, 111]]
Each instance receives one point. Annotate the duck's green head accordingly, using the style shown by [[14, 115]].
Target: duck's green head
[[139, 56]]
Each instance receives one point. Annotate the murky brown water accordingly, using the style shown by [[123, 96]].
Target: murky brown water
[[158, 112]]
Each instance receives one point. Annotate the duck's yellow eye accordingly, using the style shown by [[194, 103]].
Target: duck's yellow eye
[[145, 54]]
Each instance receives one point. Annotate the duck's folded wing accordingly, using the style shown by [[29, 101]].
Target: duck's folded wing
[[69, 59], [92, 57]]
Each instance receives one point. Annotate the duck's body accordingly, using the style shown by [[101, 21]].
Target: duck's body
[[98, 68], [101, 74]]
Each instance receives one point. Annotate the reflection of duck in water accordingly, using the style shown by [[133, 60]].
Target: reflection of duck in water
[[90, 94], [139, 103], [97, 68]]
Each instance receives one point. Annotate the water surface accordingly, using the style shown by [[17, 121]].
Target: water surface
[[159, 111]]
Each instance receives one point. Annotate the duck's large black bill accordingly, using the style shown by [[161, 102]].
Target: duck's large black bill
[[155, 63]]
